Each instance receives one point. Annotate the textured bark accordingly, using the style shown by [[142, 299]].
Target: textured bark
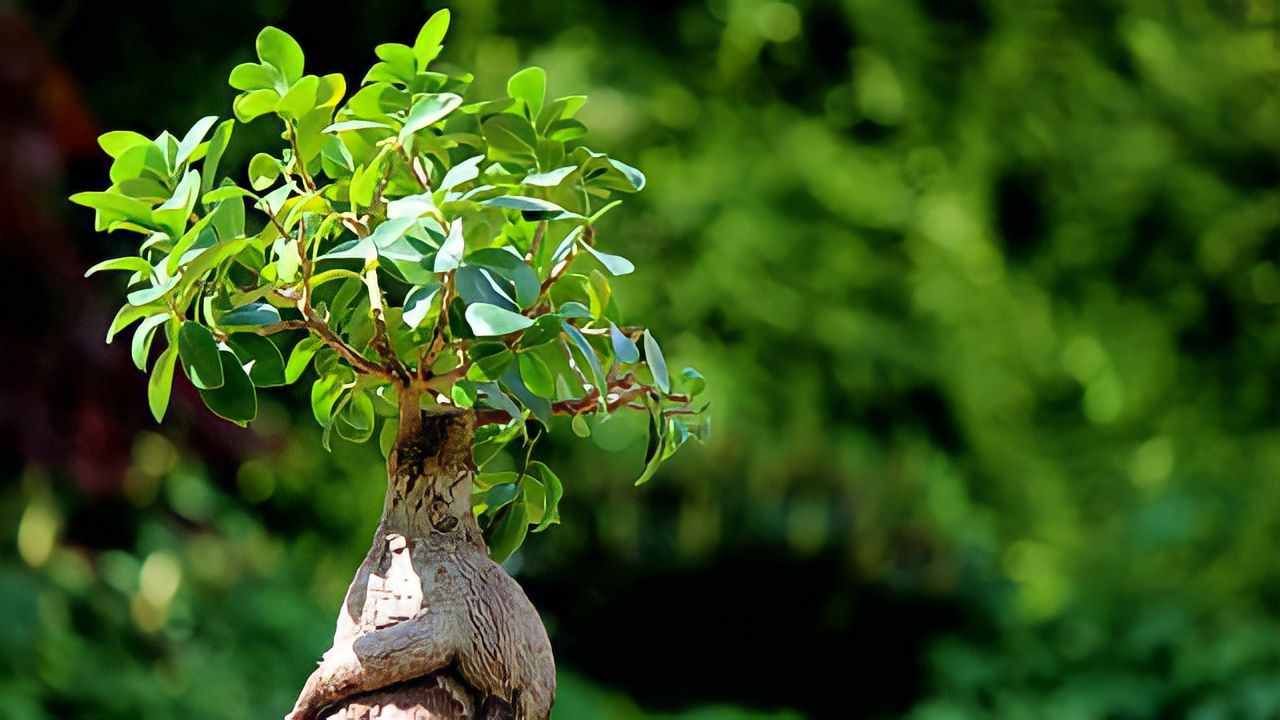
[[431, 628]]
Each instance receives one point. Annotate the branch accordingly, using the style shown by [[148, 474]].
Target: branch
[[349, 353], [576, 407], [283, 326], [432, 350], [380, 342], [537, 242]]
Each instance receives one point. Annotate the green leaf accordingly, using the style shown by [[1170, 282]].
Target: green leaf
[[116, 142], [153, 293], [252, 105], [589, 353], [489, 360], [209, 259], [160, 384], [544, 330], [536, 375], [126, 207], [654, 461], [465, 171], [335, 158], [200, 356], [279, 50], [634, 176], [131, 264], [450, 254], [417, 303], [301, 98], [490, 320], [226, 193], [217, 145], [580, 426], [429, 110], [300, 358], [263, 171], [361, 249], [463, 394], [508, 531], [530, 86], [511, 267], [551, 178], [572, 309], [615, 264], [141, 346], [553, 491], [427, 46], [510, 138], [496, 398], [193, 138], [525, 204], [128, 315], [411, 206], [356, 419], [228, 219], [254, 76], [624, 348], [600, 169], [656, 362], [267, 368], [399, 59], [325, 391], [364, 181], [693, 382], [251, 315], [540, 407], [351, 125], [235, 400], [175, 211], [387, 436]]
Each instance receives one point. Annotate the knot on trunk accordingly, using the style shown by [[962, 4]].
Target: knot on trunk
[[429, 474]]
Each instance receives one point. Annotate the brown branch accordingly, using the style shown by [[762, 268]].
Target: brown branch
[[537, 241], [345, 351], [380, 342], [282, 326], [432, 351], [574, 407]]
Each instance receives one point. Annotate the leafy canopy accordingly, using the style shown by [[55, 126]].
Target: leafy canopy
[[408, 245]]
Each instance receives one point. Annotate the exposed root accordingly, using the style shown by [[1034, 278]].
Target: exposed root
[[431, 628]]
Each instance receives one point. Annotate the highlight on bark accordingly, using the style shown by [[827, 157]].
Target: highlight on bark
[[438, 262]]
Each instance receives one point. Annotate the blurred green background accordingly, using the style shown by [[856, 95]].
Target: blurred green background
[[986, 291]]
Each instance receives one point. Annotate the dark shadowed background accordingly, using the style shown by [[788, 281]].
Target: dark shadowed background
[[986, 292]]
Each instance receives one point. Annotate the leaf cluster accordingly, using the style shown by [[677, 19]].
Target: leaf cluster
[[409, 246]]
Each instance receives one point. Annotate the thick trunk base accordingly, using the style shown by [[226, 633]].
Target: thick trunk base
[[439, 696], [431, 628]]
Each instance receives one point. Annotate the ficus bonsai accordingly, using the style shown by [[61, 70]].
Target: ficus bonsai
[[437, 263]]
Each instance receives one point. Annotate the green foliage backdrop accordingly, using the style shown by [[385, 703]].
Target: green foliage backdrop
[[988, 291]]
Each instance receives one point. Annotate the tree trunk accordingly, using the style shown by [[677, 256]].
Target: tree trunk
[[431, 628]]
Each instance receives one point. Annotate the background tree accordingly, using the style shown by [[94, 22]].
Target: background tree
[[436, 262], [987, 290]]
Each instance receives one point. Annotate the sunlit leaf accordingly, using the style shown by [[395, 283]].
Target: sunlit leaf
[[656, 362], [491, 320]]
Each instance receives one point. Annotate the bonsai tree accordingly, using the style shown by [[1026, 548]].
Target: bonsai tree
[[437, 262]]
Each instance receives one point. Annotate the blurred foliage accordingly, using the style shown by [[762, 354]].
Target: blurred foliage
[[989, 292]]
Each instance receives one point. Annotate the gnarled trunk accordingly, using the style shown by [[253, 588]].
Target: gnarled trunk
[[431, 628]]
